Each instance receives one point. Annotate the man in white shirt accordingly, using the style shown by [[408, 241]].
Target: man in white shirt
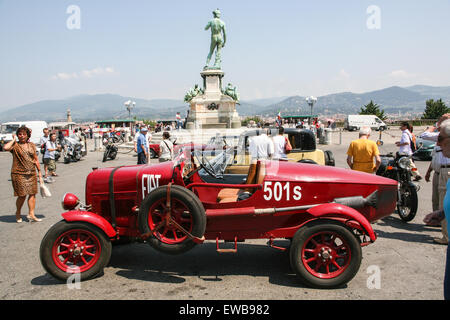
[[261, 146], [43, 141], [405, 147], [279, 144]]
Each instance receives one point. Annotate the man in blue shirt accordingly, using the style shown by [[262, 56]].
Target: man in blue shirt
[[142, 146], [443, 141]]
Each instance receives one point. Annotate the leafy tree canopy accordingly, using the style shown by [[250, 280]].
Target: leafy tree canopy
[[373, 108], [435, 109]]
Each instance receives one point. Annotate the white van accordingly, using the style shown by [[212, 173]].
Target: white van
[[9, 128], [356, 121]]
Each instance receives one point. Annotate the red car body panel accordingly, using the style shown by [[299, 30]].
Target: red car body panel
[[308, 188], [92, 218]]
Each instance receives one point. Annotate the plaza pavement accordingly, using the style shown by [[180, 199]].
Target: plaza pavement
[[410, 265]]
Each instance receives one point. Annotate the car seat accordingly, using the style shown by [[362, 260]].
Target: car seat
[[256, 174]]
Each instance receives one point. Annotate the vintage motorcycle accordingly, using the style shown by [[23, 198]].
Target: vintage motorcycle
[[72, 150], [110, 149], [396, 167]]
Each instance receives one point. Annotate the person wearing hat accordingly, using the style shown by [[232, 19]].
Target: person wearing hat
[[142, 146]]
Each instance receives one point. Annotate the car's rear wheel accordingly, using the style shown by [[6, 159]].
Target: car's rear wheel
[[185, 209], [325, 254], [152, 154], [74, 247]]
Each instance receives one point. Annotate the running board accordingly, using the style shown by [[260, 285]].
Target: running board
[[226, 250]]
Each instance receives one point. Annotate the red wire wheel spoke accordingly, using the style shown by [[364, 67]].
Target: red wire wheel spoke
[[76, 251], [170, 234], [326, 255]]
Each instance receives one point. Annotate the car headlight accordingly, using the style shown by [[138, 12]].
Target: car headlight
[[70, 201], [403, 162]]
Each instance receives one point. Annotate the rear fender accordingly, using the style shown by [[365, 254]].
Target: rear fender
[[337, 210], [92, 218]]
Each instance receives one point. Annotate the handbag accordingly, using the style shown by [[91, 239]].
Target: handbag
[[287, 146], [45, 191]]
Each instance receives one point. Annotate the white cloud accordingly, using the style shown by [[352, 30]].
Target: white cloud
[[84, 74], [401, 74], [64, 76]]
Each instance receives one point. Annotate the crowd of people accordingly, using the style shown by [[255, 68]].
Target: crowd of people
[[363, 155], [263, 146], [142, 141]]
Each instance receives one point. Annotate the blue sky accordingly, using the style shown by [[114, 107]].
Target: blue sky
[[156, 49]]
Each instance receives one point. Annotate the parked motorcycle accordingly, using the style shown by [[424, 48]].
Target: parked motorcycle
[[110, 149], [72, 150], [397, 168]]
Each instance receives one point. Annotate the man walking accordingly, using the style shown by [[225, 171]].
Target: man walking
[[49, 157], [361, 153], [142, 146]]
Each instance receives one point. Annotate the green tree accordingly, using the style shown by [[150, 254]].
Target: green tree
[[373, 108], [435, 109]]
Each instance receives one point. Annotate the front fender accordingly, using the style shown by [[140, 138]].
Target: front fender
[[339, 210], [92, 218]]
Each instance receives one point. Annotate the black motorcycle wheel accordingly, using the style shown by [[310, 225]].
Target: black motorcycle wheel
[[112, 155], [105, 156], [407, 205]]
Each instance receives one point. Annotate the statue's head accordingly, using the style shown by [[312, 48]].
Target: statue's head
[[216, 13]]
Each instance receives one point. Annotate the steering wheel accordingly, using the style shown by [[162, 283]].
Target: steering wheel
[[206, 164]]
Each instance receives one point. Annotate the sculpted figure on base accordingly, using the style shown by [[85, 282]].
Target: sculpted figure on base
[[218, 39]]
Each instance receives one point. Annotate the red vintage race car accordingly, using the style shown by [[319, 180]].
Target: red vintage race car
[[174, 206]]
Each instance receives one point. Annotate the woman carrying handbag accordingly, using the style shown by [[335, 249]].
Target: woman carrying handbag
[[23, 172]]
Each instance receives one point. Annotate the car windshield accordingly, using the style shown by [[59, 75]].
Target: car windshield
[[9, 128], [216, 164]]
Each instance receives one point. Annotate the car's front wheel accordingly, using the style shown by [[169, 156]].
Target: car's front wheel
[[75, 247], [325, 254]]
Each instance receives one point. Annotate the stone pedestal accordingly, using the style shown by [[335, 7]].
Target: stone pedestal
[[212, 109]]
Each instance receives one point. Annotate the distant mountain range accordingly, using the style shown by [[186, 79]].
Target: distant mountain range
[[111, 106]]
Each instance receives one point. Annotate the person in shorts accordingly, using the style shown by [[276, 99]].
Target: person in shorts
[[49, 156]]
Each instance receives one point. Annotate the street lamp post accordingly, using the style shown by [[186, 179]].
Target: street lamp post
[[130, 105], [311, 101]]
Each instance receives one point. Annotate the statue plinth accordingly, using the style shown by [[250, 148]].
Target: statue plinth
[[212, 108]]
